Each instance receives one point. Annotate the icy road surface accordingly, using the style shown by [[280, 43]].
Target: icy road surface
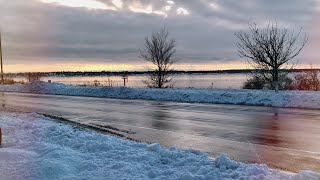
[[286, 139]]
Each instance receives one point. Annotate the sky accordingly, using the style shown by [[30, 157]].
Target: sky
[[95, 35]]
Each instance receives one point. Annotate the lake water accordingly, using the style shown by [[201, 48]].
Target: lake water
[[233, 81]]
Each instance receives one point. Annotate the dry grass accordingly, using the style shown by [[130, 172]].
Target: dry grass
[[11, 81]]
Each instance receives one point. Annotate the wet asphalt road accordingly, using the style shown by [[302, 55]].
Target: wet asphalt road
[[287, 139]]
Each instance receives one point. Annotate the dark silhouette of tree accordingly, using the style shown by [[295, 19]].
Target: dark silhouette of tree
[[270, 49], [160, 51]]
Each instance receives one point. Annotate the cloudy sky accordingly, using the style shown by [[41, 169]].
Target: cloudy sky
[[56, 35]]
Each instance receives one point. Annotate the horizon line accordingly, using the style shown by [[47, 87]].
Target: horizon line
[[146, 71]]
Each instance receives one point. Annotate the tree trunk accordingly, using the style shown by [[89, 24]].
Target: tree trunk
[[159, 78], [276, 80]]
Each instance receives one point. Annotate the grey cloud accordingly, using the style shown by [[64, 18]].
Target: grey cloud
[[36, 30]]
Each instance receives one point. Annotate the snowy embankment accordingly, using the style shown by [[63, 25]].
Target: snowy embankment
[[293, 99], [35, 147]]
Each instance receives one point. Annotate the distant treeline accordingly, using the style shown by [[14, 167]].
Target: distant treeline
[[131, 73]]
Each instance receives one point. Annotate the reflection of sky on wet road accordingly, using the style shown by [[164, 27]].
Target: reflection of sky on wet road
[[277, 137]]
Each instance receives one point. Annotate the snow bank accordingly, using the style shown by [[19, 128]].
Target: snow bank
[[294, 99], [36, 148]]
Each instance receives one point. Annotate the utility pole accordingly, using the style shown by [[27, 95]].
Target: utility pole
[[2, 80]]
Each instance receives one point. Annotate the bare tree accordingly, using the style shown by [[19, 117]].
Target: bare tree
[[159, 50], [270, 49]]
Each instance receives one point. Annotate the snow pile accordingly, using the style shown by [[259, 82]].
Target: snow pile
[[294, 99], [36, 148]]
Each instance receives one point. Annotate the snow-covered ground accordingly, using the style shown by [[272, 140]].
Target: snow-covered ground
[[35, 147], [294, 99]]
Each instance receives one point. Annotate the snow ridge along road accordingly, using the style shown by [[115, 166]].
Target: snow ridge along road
[[293, 99], [35, 147], [286, 139]]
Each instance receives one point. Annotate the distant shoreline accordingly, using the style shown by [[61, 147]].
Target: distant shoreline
[[131, 73]]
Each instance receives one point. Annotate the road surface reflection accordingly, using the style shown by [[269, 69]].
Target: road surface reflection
[[273, 136]]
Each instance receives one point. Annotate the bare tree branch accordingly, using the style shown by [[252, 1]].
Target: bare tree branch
[[270, 49], [160, 51]]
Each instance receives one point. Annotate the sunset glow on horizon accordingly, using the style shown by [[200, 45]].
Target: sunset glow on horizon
[[113, 67], [58, 67]]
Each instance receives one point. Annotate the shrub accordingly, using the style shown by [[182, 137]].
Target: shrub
[[8, 81], [254, 83], [111, 83], [94, 83], [307, 81], [12, 81], [33, 76], [258, 81]]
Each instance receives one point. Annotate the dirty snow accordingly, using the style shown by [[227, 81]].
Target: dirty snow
[[294, 99], [36, 147]]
